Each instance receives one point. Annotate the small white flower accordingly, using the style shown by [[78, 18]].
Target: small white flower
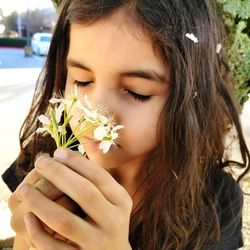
[[81, 149], [100, 133], [110, 138], [192, 37], [218, 48]]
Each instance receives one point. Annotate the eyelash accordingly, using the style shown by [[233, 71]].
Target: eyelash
[[137, 97]]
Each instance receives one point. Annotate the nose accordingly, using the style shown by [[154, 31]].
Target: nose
[[107, 98]]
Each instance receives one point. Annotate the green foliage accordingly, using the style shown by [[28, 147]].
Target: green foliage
[[56, 3], [236, 17], [13, 42]]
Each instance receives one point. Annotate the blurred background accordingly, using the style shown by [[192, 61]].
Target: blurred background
[[26, 27]]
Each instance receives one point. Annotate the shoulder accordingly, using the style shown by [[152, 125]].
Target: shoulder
[[229, 197]]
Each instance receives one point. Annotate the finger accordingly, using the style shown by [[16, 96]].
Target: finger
[[67, 203], [32, 177], [56, 217], [110, 188], [48, 189], [40, 238], [84, 192]]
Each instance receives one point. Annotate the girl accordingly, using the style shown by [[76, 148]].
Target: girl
[[156, 65]]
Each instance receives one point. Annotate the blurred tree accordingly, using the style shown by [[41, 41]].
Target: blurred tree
[[36, 20], [235, 15], [56, 3], [11, 22]]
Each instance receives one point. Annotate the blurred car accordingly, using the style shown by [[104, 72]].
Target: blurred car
[[40, 43]]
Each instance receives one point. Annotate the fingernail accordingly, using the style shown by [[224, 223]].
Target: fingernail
[[61, 153], [41, 161]]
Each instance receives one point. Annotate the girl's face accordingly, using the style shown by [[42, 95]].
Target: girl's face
[[115, 65]]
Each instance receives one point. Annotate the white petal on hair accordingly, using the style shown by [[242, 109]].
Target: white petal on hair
[[105, 146], [100, 133], [81, 149], [218, 48], [192, 37], [44, 119]]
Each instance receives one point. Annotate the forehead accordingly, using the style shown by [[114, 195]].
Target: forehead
[[112, 42]]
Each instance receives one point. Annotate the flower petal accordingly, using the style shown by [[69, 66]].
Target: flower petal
[[81, 149], [44, 119], [42, 130], [114, 135], [55, 100], [105, 146], [87, 101], [117, 127], [59, 111], [192, 37], [218, 48], [100, 133]]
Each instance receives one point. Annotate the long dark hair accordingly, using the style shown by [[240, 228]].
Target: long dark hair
[[198, 114]]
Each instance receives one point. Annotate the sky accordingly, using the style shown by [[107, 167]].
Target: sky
[[21, 5]]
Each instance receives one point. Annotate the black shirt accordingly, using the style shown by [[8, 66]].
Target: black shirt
[[230, 200]]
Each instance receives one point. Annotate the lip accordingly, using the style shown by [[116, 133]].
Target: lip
[[91, 141]]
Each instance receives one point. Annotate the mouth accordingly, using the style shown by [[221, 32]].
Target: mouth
[[91, 141]]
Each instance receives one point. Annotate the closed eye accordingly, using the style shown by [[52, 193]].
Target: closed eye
[[137, 97], [83, 84], [141, 98]]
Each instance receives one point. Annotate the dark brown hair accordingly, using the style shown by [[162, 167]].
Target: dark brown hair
[[198, 114]]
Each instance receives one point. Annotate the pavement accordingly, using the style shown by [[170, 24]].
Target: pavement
[[16, 91]]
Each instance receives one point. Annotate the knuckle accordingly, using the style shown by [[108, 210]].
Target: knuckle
[[64, 225], [88, 195], [12, 201], [126, 200]]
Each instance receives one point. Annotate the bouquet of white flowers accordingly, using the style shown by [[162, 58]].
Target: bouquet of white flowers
[[94, 118]]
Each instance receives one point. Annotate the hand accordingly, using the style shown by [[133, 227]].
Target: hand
[[19, 208], [106, 202]]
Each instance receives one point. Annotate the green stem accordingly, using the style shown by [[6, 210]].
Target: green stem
[[55, 127]]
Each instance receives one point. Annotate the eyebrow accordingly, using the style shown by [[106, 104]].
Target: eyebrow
[[150, 75]]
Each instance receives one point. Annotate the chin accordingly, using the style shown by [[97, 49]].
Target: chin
[[111, 159]]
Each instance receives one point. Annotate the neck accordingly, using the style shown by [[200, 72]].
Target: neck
[[131, 176]]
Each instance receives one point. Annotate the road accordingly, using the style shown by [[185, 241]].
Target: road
[[14, 58]]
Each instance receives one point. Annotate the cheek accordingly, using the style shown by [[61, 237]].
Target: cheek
[[140, 132]]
